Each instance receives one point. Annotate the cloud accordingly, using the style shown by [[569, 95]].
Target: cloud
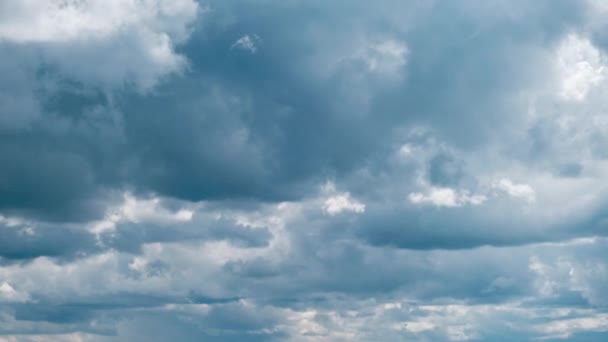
[[9, 294], [339, 202], [524, 191], [564, 329], [446, 197], [386, 56], [242, 170], [580, 66], [247, 42], [127, 41]]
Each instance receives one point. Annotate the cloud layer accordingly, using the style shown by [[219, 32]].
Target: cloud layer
[[315, 171]]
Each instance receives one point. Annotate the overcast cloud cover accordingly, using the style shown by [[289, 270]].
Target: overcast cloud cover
[[257, 170]]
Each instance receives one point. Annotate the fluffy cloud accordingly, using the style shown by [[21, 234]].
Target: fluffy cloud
[[338, 202], [128, 42], [8, 293], [580, 65], [446, 197], [524, 191]]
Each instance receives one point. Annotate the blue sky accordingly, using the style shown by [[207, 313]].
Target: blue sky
[[260, 170]]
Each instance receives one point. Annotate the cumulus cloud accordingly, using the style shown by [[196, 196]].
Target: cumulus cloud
[[338, 202], [446, 197], [127, 41], [9, 294], [580, 66], [523, 191], [342, 202]]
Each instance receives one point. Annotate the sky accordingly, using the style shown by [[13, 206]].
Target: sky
[[265, 170]]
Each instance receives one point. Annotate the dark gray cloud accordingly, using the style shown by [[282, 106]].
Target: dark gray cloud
[[241, 125], [23, 242]]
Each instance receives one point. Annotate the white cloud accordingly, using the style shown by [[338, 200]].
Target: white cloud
[[420, 326], [137, 210], [566, 327], [340, 202], [10, 221], [128, 41], [386, 56], [406, 150], [138, 264], [140, 210], [49, 21], [460, 332], [9, 294], [523, 191], [247, 42], [580, 67], [446, 197]]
